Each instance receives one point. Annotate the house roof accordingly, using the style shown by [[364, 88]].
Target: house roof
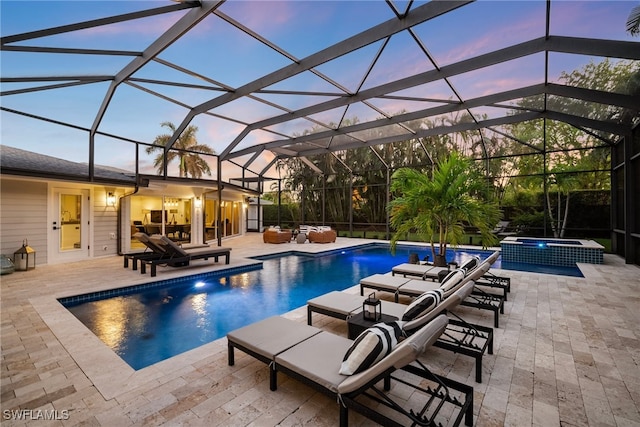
[[14, 161]]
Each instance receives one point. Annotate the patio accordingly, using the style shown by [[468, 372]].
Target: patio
[[567, 353]]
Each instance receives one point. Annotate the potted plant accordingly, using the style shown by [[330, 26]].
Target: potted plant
[[438, 206]]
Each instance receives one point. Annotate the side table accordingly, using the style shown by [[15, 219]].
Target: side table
[[356, 324]]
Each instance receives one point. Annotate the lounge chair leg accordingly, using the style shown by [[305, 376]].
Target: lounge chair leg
[[496, 318], [479, 368], [153, 272], [468, 418], [126, 261], [273, 378], [344, 416], [230, 354], [387, 383], [134, 267], [143, 267], [309, 315]]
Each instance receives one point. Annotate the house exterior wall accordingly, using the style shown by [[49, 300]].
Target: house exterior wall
[[105, 223], [28, 211], [23, 215]]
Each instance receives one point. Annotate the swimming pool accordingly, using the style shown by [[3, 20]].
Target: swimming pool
[[145, 324]]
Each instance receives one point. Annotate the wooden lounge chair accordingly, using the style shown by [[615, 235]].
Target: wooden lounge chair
[[459, 336], [316, 361], [176, 256]]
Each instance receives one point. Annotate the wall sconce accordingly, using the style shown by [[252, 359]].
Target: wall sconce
[[111, 199], [198, 202]]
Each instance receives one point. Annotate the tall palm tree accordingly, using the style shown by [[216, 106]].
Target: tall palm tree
[[438, 207], [190, 163], [633, 21]]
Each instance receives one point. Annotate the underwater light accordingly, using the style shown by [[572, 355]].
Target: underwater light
[[541, 245], [199, 284]]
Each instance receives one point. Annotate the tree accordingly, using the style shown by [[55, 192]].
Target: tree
[[186, 147], [633, 21], [438, 206]]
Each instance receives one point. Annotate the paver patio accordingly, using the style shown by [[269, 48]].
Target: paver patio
[[567, 353]]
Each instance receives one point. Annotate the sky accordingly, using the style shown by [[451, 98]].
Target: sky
[[229, 58]]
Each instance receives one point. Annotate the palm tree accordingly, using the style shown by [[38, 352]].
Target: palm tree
[[438, 207], [633, 21], [190, 163]]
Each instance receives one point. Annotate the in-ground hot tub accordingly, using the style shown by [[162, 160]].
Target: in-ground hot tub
[[544, 251]]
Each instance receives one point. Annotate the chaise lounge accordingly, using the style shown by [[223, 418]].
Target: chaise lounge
[[176, 256], [152, 251], [414, 288], [316, 360], [459, 336], [427, 271]]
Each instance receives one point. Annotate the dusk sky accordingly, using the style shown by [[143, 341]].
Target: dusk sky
[[230, 58]]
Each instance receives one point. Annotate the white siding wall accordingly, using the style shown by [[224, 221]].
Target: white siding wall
[[23, 215], [105, 223]]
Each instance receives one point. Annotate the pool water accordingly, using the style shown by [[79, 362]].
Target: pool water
[[161, 321]]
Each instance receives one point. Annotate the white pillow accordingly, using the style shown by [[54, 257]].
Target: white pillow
[[423, 305], [370, 347], [452, 280]]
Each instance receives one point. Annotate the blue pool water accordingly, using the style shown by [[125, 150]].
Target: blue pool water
[[145, 326]]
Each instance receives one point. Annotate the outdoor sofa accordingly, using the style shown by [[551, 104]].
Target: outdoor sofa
[[276, 235], [322, 236]]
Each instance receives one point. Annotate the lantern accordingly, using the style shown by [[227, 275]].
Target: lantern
[[25, 257], [372, 308]]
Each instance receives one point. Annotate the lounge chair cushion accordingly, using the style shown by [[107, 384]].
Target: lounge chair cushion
[[470, 264], [423, 305], [403, 354], [370, 347], [452, 280]]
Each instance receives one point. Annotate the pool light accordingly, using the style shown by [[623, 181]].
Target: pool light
[[199, 284]]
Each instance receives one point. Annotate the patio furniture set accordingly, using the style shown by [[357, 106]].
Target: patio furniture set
[[360, 370], [321, 234]]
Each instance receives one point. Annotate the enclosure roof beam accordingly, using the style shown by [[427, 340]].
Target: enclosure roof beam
[[418, 15]]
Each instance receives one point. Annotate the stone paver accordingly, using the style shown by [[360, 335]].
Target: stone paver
[[567, 353]]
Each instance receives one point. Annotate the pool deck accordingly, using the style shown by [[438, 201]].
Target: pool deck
[[567, 353]]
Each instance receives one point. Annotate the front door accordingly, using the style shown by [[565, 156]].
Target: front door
[[70, 225]]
